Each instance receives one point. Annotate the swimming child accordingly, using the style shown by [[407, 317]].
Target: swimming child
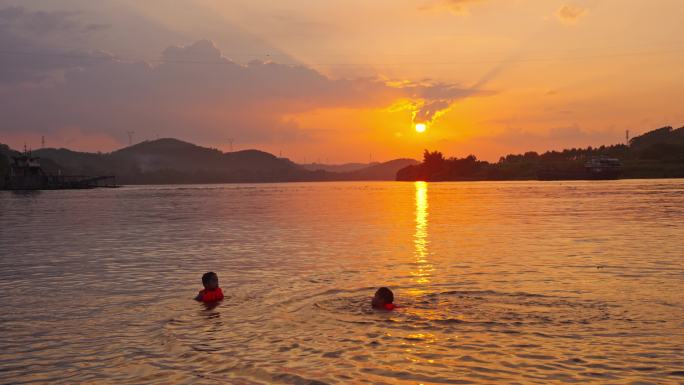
[[212, 292], [383, 299]]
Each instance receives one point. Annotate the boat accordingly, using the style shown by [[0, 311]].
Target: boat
[[597, 168], [25, 173], [603, 168]]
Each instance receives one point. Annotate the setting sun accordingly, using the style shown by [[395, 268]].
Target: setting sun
[[420, 127]]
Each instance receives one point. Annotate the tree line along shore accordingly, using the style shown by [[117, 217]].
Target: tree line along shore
[[655, 154]]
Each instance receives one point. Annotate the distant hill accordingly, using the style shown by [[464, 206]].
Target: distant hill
[[379, 171], [346, 167], [663, 136], [655, 154], [172, 161], [363, 171]]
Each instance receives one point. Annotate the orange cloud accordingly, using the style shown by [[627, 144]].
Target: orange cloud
[[569, 14], [458, 7]]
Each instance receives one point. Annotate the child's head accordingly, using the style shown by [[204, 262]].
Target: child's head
[[210, 280], [383, 296]]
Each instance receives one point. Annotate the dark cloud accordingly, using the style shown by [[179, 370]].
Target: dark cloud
[[443, 91], [201, 51], [434, 99], [93, 27], [41, 23], [429, 110], [37, 22], [195, 92], [35, 44]]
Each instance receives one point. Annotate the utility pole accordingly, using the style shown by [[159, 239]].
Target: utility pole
[[42, 141], [230, 142], [627, 136], [130, 137]]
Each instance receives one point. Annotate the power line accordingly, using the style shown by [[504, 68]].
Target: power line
[[341, 64], [130, 137], [522, 60]]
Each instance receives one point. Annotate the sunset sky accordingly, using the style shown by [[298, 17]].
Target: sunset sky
[[337, 81]]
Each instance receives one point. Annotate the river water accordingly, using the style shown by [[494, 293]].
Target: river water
[[497, 282]]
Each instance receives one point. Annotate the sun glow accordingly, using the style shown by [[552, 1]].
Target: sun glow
[[420, 127]]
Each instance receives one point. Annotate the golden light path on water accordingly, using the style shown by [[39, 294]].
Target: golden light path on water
[[422, 274], [420, 238]]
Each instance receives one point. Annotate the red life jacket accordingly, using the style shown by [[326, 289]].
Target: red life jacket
[[390, 306], [212, 295]]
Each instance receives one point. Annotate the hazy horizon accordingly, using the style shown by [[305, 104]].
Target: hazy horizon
[[305, 161], [340, 81]]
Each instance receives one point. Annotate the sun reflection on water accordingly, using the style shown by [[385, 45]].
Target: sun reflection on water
[[424, 269]]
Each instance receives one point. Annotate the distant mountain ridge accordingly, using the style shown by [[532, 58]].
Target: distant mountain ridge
[[656, 154], [172, 161]]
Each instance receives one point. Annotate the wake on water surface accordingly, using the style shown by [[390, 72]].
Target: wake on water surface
[[448, 336]]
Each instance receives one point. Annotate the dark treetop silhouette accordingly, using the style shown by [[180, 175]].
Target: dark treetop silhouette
[[655, 154]]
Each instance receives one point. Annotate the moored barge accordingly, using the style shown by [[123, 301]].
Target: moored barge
[[25, 173]]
